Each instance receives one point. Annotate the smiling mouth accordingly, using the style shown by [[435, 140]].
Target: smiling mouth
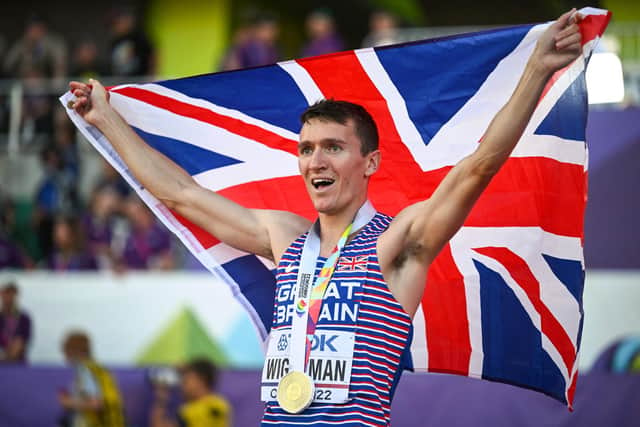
[[319, 183]]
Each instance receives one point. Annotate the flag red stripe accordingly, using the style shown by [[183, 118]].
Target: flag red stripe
[[593, 26], [205, 238], [231, 124], [529, 192], [444, 304], [523, 276]]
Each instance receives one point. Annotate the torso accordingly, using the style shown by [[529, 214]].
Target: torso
[[358, 300]]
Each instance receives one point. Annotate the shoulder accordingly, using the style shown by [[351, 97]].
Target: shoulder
[[283, 228]]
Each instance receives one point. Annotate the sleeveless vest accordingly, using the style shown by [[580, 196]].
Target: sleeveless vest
[[358, 300]]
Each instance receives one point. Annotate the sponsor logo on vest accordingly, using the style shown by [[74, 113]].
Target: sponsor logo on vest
[[339, 304]]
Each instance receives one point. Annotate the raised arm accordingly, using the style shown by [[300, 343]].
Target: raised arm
[[262, 232], [420, 231]]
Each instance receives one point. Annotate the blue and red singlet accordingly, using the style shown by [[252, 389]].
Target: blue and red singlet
[[359, 301]]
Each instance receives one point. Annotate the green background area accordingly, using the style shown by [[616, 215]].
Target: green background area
[[190, 35], [181, 340]]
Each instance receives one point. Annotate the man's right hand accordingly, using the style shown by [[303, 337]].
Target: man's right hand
[[261, 232], [92, 101]]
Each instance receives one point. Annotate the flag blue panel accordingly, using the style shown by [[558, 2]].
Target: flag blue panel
[[568, 116], [253, 91], [511, 343], [436, 92], [570, 273], [190, 157], [257, 284]]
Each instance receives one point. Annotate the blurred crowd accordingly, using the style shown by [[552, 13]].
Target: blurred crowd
[[110, 228], [184, 395]]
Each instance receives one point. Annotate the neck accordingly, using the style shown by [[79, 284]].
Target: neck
[[333, 225]]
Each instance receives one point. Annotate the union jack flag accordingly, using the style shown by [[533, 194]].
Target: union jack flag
[[353, 263], [503, 300]]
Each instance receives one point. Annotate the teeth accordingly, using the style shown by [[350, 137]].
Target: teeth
[[321, 181]]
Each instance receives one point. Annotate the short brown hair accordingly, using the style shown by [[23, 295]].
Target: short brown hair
[[204, 369], [341, 112], [77, 342]]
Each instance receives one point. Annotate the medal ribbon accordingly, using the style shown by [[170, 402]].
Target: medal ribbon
[[319, 288], [311, 289]]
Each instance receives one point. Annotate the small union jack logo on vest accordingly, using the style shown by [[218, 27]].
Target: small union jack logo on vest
[[353, 263]]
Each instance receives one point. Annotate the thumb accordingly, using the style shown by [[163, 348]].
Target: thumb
[[98, 89]]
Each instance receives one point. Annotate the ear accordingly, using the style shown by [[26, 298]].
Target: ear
[[373, 163]]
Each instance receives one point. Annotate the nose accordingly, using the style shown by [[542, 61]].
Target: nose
[[317, 160]]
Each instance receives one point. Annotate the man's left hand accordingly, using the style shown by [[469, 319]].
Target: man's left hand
[[560, 44]]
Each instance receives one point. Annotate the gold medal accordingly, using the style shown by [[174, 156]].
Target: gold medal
[[295, 392]]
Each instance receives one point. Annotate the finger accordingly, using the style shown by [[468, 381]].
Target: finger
[[576, 18], [569, 41], [567, 31], [79, 93], [80, 104], [78, 85], [574, 48]]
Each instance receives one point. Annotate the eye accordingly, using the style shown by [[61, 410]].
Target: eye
[[334, 148], [305, 150]]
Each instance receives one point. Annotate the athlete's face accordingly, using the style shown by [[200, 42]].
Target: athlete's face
[[333, 168]]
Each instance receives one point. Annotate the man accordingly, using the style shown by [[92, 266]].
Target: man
[[323, 37], [366, 314], [15, 327], [94, 399], [202, 407]]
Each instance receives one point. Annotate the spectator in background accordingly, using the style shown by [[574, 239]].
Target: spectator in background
[[11, 256], [131, 52], [86, 63], [323, 37], [202, 407], [64, 143], [38, 54], [15, 327], [110, 178], [94, 399], [69, 252], [98, 224], [231, 59], [383, 30], [36, 58], [148, 243], [56, 195], [260, 46]]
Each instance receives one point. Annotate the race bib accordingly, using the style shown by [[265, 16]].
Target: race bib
[[329, 364]]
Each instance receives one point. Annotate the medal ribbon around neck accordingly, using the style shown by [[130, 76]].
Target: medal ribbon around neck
[[319, 288], [302, 327]]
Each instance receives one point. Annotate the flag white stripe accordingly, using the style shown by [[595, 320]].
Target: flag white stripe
[[463, 261], [419, 348], [395, 102], [258, 160], [234, 114], [305, 82]]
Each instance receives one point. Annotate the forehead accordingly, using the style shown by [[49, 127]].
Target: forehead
[[318, 130]]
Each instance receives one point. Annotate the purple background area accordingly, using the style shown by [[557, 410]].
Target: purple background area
[[612, 234], [28, 399]]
